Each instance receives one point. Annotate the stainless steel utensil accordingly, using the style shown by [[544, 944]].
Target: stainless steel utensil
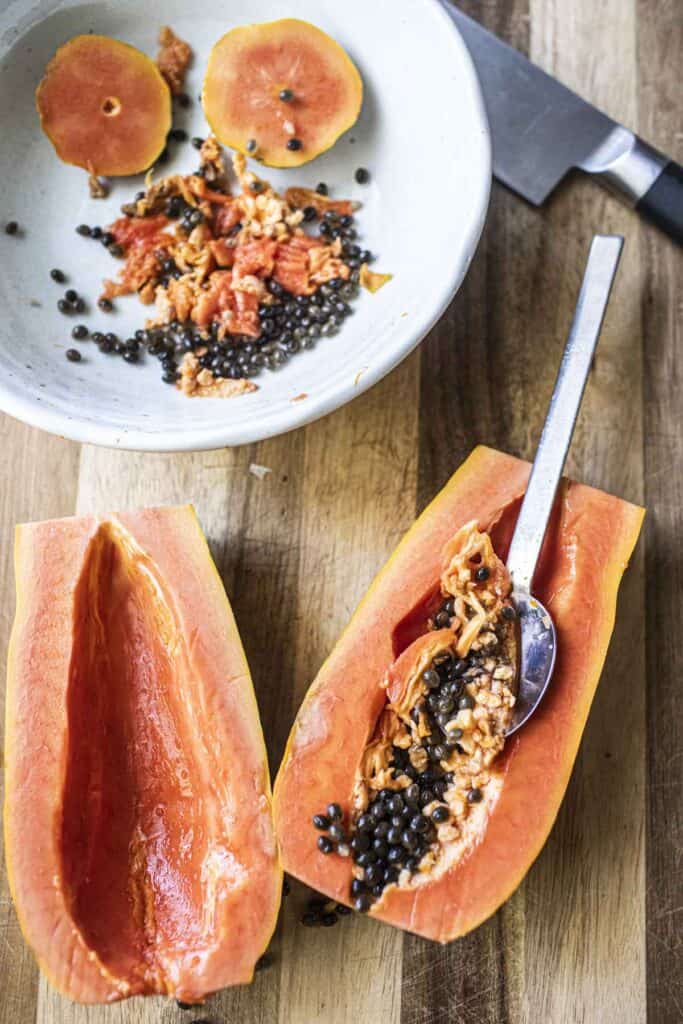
[[541, 130], [537, 637]]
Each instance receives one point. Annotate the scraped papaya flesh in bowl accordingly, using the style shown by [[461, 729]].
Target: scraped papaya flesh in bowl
[[105, 106], [138, 825], [399, 793], [282, 91]]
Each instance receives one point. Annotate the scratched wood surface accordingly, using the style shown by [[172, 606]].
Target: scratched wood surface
[[594, 934]]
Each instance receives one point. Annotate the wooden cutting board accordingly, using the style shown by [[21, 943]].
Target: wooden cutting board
[[594, 933]]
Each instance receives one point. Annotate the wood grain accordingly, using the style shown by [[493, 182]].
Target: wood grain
[[594, 933], [660, 44]]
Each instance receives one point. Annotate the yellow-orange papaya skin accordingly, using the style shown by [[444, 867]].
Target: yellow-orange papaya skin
[[590, 540], [251, 66], [104, 106], [138, 826]]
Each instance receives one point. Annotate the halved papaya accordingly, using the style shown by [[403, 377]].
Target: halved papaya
[[138, 829], [428, 652], [104, 106], [283, 91]]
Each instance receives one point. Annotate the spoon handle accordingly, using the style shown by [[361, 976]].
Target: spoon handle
[[577, 359]]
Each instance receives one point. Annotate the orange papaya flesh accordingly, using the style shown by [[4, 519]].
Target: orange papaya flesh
[[589, 542], [104, 106], [138, 826], [252, 67]]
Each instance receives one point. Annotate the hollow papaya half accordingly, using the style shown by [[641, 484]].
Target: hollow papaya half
[[138, 829], [105, 106], [282, 91], [399, 792]]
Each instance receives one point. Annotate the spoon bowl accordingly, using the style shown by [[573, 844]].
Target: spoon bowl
[[537, 646]]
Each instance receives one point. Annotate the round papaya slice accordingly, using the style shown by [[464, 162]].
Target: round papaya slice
[[282, 91], [104, 106]]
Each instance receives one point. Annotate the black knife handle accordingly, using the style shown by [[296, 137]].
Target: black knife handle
[[663, 202]]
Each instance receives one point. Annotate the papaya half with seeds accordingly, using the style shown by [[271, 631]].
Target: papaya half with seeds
[[138, 828], [281, 91], [425, 815], [105, 106]]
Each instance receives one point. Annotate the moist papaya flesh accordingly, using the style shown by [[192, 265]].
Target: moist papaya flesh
[[431, 758], [138, 829], [282, 91], [404, 626], [104, 106]]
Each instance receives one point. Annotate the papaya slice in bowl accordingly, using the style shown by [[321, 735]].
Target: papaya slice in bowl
[[105, 106], [283, 91], [138, 828], [353, 760]]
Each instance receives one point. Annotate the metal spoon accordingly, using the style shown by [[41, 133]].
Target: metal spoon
[[537, 638]]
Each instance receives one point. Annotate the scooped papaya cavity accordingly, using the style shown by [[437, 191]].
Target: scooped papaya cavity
[[164, 863], [399, 792], [282, 91], [104, 106]]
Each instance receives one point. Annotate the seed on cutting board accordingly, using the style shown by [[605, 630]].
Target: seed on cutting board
[[106, 305], [362, 175], [58, 275], [85, 230], [73, 355], [79, 332]]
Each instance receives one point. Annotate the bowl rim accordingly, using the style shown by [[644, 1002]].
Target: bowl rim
[[299, 414]]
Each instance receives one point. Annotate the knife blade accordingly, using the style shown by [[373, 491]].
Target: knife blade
[[541, 130]]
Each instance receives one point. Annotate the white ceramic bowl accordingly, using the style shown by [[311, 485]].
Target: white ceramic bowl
[[423, 135]]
